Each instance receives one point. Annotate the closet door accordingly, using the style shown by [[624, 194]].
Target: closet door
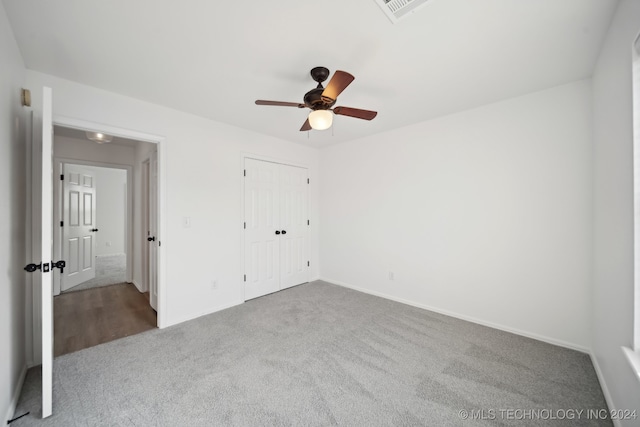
[[293, 223], [261, 213], [276, 227]]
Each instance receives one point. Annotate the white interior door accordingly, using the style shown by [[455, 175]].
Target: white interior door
[[294, 261], [42, 232], [261, 213], [79, 226], [276, 227], [152, 234]]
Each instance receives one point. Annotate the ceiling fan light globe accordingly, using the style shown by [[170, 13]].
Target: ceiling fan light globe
[[320, 119]]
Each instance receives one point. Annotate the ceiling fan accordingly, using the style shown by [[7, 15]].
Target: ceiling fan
[[321, 100]]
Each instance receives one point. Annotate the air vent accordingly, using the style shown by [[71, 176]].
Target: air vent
[[399, 9]]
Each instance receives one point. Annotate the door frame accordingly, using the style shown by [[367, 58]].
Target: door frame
[[148, 211], [281, 161], [33, 315], [144, 222], [58, 206]]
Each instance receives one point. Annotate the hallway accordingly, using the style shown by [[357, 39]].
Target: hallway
[[94, 316]]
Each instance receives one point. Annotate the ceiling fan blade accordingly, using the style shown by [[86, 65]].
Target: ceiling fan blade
[[306, 126], [279, 103], [355, 112], [338, 83]]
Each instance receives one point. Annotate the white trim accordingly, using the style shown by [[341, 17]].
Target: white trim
[[28, 305], [634, 359], [603, 386], [13, 404], [137, 286], [192, 316], [635, 70], [472, 319], [71, 122]]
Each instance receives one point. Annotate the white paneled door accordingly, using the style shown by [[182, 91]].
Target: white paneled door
[[42, 266], [152, 232], [79, 226], [276, 227]]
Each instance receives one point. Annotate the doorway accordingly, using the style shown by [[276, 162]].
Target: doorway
[[100, 296], [91, 208]]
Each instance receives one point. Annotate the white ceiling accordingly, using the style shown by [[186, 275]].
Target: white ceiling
[[214, 59]]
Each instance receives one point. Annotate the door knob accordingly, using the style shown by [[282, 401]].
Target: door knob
[[33, 267], [93, 230], [284, 231], [277, 231], [59, 264], [151, 239]]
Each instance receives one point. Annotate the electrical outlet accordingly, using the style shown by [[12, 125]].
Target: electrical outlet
[[391, 275]]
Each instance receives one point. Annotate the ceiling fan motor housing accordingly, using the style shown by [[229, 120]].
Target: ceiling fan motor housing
[[314, 100]]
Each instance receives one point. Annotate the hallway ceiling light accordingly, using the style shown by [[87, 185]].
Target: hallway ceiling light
[[98, 137]]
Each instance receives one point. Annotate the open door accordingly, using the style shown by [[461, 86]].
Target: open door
[[152, 233], [42, 265], [79, 226]]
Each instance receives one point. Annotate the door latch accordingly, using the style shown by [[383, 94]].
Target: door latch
[[45, 267], [151, 239], [59, 264]]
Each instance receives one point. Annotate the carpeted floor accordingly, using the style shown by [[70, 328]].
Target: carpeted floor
[[318, 355], [110, 269]]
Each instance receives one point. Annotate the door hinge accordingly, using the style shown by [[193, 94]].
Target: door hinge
[[245, 277], [61, 177], [308, 263], [307, 180], [308, 222], [61, 223], [245, 225], [245, 172]]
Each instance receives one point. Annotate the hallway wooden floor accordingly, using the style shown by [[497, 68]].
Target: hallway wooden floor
[[90, 317]]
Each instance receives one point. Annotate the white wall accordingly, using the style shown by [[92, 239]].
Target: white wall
[[484, 214], [111, 210], [201, 163], [13, 125], [613, 208]]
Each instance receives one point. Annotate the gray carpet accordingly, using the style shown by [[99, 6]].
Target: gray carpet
[[110, 269], [316, 355]]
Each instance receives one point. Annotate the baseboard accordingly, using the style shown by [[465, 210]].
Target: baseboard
[[603, 386], [179, 320], [114, 254], [138, 287], [498, 326], [11, 410], [313, 279]]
